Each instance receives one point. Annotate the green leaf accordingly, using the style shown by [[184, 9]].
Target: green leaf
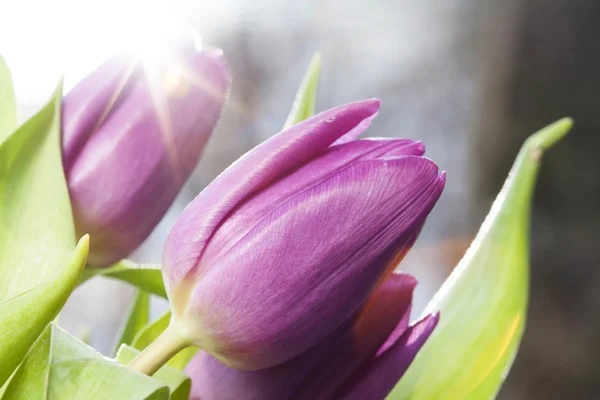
[[61, 367], [8, 104], [24, 317], [38, 269], [84, 334], [147, 277], [306, 97], [483, 304], [78, 371], [36, 233], [178, 382], [152, 331], [136, 319], [30, 380]]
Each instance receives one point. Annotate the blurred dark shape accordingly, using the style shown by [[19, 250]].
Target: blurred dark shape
[[542, 62]]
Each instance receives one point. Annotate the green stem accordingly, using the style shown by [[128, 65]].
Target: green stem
[[159, 352]]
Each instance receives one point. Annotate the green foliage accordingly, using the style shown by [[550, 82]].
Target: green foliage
[[61, 367], [483, 304], [8, 107], [31, 379], [39, 264], [147, 277], [306, 97], [179, 383], [136, 319], [151, 331]]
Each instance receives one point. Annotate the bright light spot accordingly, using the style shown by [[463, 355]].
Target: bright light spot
[[43, 40], [152, 47]]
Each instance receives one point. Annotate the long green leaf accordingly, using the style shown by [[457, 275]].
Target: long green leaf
[[78, 371], [24, 317], [59, 367], [151, 331], [483, 304], [8, 105], [38, 269], [136, 319], [36, 227], [147, 277], [31, 379], [306, 97], [178, 382]]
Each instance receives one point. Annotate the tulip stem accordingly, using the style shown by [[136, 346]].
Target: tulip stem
[[159, 352]]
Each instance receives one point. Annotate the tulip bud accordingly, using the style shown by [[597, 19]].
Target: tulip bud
[[132, 135], [286, 244], [338, 367]]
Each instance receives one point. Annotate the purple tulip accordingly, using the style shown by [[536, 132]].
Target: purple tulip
[[132, 135], [288, 242], [362, 360]]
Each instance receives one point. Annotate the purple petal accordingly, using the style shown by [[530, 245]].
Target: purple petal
[[319, 371], [355, 132], [131, 167], [307, 266], [213, 380], [379, 377], [89, 102], [335, 157], [256, 170], [387, 308]]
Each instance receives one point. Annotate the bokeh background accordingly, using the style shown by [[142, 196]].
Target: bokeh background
[[470, 78]]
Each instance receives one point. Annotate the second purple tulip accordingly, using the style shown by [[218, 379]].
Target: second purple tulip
[[132, 135]]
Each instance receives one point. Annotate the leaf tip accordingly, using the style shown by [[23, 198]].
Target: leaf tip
[[3, 63], [58, 92], [83, 246], [317, 61], [84, 241], [548, 136]]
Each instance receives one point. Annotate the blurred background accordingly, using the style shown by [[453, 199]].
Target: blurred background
[[470, 78]]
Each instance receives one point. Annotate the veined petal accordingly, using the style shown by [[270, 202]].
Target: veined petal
[[131, 168], [248, 214], [355, 132], [253, 172], [387, 308], [307, 266], [90, 102], [377, 379], [336, 357]]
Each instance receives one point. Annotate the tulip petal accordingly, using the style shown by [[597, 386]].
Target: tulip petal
[[379, 377], [387, 310], [89, 103], [146, 148], [254, 171], [335, 158], [211, 379], [322, 369], [311, 260]]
